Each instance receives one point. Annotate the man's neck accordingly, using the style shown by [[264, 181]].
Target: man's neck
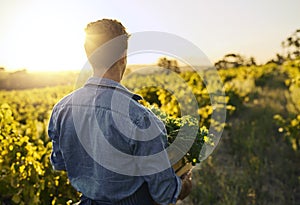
[[116, 76], [112, 77]]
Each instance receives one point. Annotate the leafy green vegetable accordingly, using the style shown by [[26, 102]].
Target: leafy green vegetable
[[184, 129]]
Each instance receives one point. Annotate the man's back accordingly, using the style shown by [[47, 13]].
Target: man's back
[[97, 133]]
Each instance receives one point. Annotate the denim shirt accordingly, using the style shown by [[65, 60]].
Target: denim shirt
[[101, 136]]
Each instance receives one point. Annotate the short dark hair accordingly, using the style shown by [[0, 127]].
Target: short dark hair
[[100, 32], [106, 26]]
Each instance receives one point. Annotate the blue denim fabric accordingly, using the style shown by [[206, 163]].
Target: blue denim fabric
[[75, 149], [142, 195]]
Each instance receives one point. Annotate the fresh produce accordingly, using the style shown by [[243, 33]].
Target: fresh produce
[[185, 130]]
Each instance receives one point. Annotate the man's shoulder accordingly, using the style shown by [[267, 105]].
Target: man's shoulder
[[67, 99]]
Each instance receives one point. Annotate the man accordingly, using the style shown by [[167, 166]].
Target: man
[[112, 148]]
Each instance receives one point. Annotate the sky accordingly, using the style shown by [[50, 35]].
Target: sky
[[42, 35]]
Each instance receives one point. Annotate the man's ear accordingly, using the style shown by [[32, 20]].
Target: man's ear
[[124, 57], [124, 60]]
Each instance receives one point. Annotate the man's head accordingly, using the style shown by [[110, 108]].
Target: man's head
[[101, 51]]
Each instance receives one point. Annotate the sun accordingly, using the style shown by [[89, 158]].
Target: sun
[[42, 43]]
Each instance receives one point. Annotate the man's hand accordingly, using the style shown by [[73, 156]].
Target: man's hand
[[186, 186]]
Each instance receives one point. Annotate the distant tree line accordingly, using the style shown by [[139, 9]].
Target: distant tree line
[[168, 64], [291, 51], [292, 45], [234, 60], [21, 79]]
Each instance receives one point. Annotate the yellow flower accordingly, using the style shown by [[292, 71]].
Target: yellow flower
[[18, 154], [294, 122], [22, 168], [206, 139]]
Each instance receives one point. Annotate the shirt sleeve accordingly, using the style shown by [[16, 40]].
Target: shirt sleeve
[[164, 187], [163, 184], [56, 157]]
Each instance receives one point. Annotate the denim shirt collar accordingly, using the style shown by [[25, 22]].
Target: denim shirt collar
[[108, 83]]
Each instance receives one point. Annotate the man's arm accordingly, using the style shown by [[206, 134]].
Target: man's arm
[[186, 186], [56, 157], [164, 186]]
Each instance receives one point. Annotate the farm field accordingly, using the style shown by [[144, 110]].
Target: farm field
[[255, 162]]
